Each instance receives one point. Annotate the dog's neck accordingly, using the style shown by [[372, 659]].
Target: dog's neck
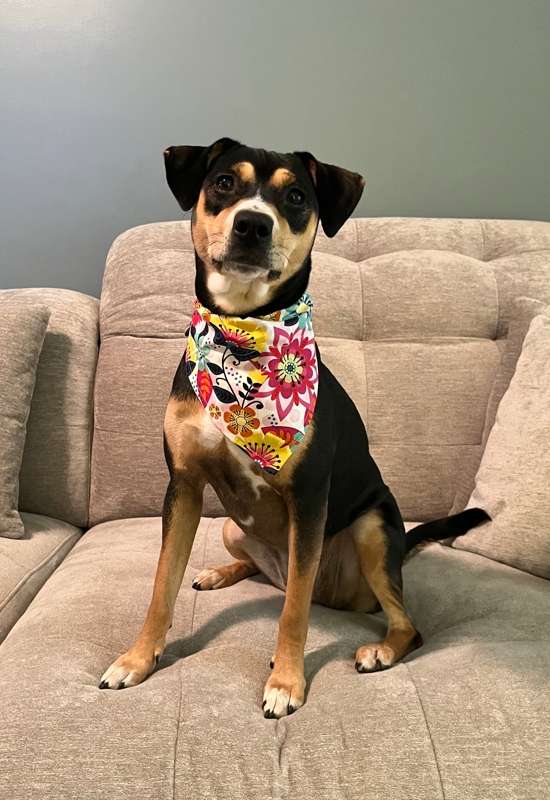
[[240, 294]]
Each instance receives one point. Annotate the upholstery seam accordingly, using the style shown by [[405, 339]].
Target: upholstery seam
[[32, 572], [363, 343], [514, 253], [497, 293], [176, 738], [180, 705], [489, 261], [363, 316], [409, 671], [416, 445], [483, 241], [77, 425], [91, 430], [179, 337], [196, 594], [484, 430], [334, 338]]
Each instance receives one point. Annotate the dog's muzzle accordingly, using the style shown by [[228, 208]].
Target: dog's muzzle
[[250, 242]]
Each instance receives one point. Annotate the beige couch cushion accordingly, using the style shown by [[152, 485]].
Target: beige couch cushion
[[462, 718], [25, 564], [55, 473], [514, 475], [22, 331], [423, 304]]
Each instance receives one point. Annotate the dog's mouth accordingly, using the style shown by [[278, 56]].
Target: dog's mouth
[[244, 266], [245, 272]]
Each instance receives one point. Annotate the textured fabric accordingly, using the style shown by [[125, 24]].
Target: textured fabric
[[513, 477], [22, 331], [482, 674], [257, 378], [426, 410], [407, 293], [25, 564], [523, 311], [55, 473], [464, 718], [427, 302], [130, 476]]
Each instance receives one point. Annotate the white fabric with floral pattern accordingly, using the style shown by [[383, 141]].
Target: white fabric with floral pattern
[[257, 377]]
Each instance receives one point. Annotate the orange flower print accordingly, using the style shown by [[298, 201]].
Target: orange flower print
[[214, 411], [241, 421]]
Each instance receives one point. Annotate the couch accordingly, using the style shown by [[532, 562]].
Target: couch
[[412, 316]]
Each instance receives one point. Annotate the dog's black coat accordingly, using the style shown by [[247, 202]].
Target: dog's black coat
[[339, 452]]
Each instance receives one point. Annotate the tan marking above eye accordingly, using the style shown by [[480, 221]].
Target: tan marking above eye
[[245, 170], [282, 177]]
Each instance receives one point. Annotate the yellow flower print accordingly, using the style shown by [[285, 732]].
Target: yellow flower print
[[267, 449], [244, 333]]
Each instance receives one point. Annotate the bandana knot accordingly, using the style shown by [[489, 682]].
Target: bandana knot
[[257, 377]]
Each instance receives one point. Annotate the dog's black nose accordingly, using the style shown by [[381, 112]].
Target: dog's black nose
[[252, 227]]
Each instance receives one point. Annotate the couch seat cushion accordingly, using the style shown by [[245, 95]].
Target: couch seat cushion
[[465, 717], [26, 563]]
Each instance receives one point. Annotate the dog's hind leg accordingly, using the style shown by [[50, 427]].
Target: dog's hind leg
[[228, 574], [380, 561]]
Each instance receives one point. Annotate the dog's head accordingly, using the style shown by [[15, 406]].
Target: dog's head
[[255, 215]]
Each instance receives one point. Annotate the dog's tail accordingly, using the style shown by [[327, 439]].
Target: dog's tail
[[453, 526]]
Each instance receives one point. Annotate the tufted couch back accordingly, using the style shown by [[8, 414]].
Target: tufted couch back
[[410, 315]]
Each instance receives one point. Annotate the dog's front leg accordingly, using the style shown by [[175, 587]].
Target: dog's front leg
[[180, 519], [284, 691]]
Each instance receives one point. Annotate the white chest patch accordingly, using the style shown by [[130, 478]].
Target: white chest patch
[[231, 293], [209, 436], [255, 480]]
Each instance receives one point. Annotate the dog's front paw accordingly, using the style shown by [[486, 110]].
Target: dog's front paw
[[283, 695], [129, 669]]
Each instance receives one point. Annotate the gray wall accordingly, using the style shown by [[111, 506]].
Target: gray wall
[[443, 104]]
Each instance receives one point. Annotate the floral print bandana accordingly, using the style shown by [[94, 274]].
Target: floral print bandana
[[257, 377]]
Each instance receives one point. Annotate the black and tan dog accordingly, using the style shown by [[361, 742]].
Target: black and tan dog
[[325, 526]]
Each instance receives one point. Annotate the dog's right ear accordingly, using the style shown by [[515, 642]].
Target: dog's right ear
[[187, 165]]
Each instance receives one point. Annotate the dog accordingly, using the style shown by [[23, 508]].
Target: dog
[[306, 503]]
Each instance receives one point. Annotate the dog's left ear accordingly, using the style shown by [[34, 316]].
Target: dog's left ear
[[338, 191], [187, 165]]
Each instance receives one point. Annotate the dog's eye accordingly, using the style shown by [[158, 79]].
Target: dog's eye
[[296, 197], [224, 183]]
